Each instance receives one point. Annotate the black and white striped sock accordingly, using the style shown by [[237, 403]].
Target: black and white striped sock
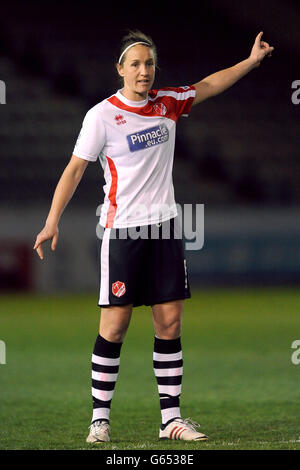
[[168, 367], [105, 368]]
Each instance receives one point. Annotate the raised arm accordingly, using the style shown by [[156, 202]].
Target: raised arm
[[64, 191], [218, 82]]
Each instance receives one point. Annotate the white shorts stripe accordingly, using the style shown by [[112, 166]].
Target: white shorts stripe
[[103, 395], [168, 372], [105, 361], [104, 260], [167, 357], [103, 377]]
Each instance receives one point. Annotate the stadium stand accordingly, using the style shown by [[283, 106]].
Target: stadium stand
[[235, 148]]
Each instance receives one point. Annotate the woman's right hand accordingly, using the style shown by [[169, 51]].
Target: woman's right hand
[[49, 232]]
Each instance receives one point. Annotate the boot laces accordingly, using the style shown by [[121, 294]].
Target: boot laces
[[99, 427], [193, 425]]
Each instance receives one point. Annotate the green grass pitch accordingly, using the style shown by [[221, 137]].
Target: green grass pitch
[[239, 381]]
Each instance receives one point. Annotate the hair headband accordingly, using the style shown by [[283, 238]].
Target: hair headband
[[131, 45]]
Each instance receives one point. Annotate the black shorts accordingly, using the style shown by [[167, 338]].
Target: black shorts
[[148, 270]]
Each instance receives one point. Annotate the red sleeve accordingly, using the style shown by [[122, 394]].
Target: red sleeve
[[186, 96], [173, 102]]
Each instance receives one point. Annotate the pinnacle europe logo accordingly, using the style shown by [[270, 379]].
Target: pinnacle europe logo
[[148, 138]]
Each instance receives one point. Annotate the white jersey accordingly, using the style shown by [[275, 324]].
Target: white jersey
[[135, 142]]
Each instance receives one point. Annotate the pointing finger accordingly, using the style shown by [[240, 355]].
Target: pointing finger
[[258, 37]]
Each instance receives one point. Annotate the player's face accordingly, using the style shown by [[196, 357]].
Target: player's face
[[138, 72]]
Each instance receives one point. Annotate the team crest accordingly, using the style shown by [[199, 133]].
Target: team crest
[[118, 288], [160, 109]]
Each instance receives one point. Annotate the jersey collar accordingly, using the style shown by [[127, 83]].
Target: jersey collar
[[134, 104]]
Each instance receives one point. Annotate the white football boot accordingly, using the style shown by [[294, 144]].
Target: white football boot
[[99, 432], [184, 430]]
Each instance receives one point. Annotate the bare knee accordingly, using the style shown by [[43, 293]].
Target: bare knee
[[114, 322], [113, 334], [168, 330], [167, 320]]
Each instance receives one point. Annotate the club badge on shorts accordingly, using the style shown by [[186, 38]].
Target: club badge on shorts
[[118, 288]]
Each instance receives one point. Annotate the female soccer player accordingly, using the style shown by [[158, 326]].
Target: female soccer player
[[133, 134]]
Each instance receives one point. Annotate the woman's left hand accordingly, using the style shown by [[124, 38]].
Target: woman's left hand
[[260, 50]]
